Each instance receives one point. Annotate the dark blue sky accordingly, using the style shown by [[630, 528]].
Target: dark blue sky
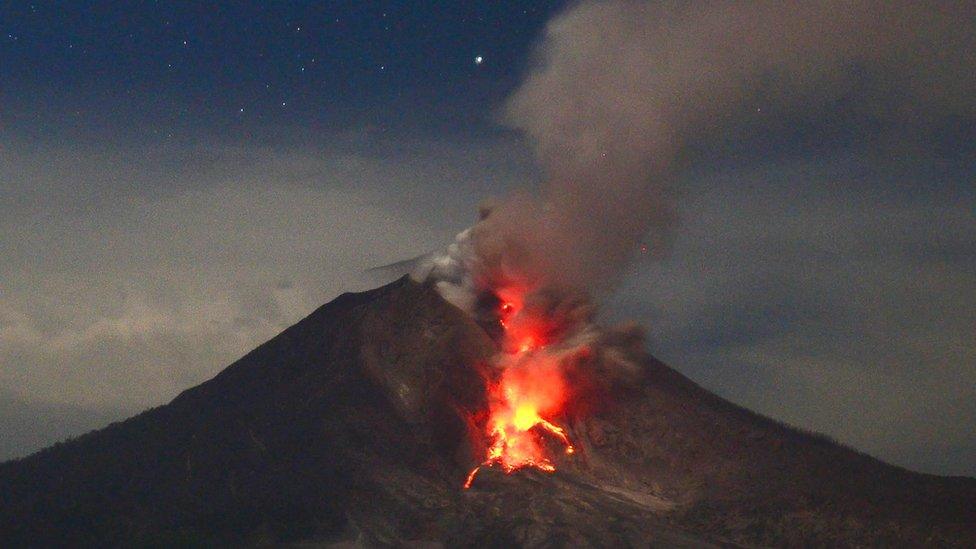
[[821, 271], [174, 66]]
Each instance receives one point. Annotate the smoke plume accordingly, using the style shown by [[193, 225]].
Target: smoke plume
[[621, 88]]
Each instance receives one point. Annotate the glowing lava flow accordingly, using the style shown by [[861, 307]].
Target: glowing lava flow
[[531, 386]]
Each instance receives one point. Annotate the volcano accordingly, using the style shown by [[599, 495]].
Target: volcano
[[353, 427]]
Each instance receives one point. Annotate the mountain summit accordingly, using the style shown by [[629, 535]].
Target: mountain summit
[[353, 427]]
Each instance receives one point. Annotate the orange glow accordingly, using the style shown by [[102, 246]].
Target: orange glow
[[531, 387]]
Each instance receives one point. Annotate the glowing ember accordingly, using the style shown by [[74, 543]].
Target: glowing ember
[[530, 387]]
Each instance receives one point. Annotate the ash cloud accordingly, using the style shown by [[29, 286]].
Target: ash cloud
[[622, 89], [625, 94]]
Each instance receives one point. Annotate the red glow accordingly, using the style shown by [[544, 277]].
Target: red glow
[[530, 389]]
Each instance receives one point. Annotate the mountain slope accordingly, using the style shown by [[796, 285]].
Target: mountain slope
[[351, 426]]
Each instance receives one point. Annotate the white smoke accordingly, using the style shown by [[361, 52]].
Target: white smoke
[[452, 271]]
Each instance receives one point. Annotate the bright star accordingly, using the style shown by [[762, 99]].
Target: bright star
[[479, 60]]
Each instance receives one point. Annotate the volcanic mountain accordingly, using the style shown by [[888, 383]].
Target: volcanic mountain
[[352, 427]]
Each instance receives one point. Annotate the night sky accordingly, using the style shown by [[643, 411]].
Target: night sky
[[181, 181], [259, 70]]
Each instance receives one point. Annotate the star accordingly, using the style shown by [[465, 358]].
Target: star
[[479, 60]]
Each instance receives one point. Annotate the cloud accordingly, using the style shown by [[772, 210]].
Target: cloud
[[131, 274], [818, 293], [30, 426]]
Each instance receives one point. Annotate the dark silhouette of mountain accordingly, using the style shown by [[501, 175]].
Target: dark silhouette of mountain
[[351, 427]]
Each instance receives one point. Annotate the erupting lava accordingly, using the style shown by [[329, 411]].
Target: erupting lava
[[531, 385]]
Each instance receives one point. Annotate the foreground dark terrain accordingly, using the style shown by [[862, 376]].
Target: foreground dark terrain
[[351, 428]]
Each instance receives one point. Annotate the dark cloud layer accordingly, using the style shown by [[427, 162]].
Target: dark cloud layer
[[813, 293]]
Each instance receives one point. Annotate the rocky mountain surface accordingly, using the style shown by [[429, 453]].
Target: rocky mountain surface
[[351, 428]]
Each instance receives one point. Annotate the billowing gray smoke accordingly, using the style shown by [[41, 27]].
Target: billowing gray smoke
[[621, 88], [621, 91]]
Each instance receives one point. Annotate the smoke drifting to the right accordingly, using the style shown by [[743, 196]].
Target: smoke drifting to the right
[[622, 87], [620, 90]]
